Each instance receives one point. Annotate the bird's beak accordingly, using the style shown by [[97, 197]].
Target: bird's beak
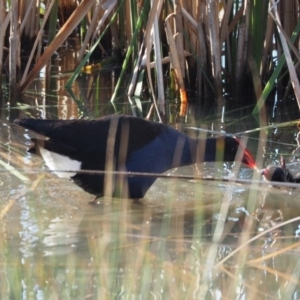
[[249, 160]]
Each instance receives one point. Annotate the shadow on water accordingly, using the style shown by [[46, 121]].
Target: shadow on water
[[176, 243]]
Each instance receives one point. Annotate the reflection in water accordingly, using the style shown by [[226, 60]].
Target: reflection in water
[[29, 229], [61, 236], [162, 240]]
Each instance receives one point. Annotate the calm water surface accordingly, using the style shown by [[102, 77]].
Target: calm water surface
[[177, 243]]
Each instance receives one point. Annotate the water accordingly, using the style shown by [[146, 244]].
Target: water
[[174, 244]]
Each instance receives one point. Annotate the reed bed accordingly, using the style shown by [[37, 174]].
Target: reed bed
[[217, 50]]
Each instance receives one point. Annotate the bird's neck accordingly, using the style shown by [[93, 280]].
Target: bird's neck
[[189, 151]]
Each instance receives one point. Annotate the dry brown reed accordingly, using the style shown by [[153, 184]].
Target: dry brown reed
[[234, 44]]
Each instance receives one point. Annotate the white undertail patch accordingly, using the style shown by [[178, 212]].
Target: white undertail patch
[[56, 162]]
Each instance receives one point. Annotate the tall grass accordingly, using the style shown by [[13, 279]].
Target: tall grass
[[224, 48]]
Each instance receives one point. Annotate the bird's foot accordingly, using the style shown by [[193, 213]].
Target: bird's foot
[[94, 200]]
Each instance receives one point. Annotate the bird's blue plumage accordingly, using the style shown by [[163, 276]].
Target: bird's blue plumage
[[133, 144], [158, 156]]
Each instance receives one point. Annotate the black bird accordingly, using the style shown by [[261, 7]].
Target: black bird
[[280, 173], [122, 143]]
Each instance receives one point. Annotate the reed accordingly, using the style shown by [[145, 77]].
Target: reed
[[234, 44]]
